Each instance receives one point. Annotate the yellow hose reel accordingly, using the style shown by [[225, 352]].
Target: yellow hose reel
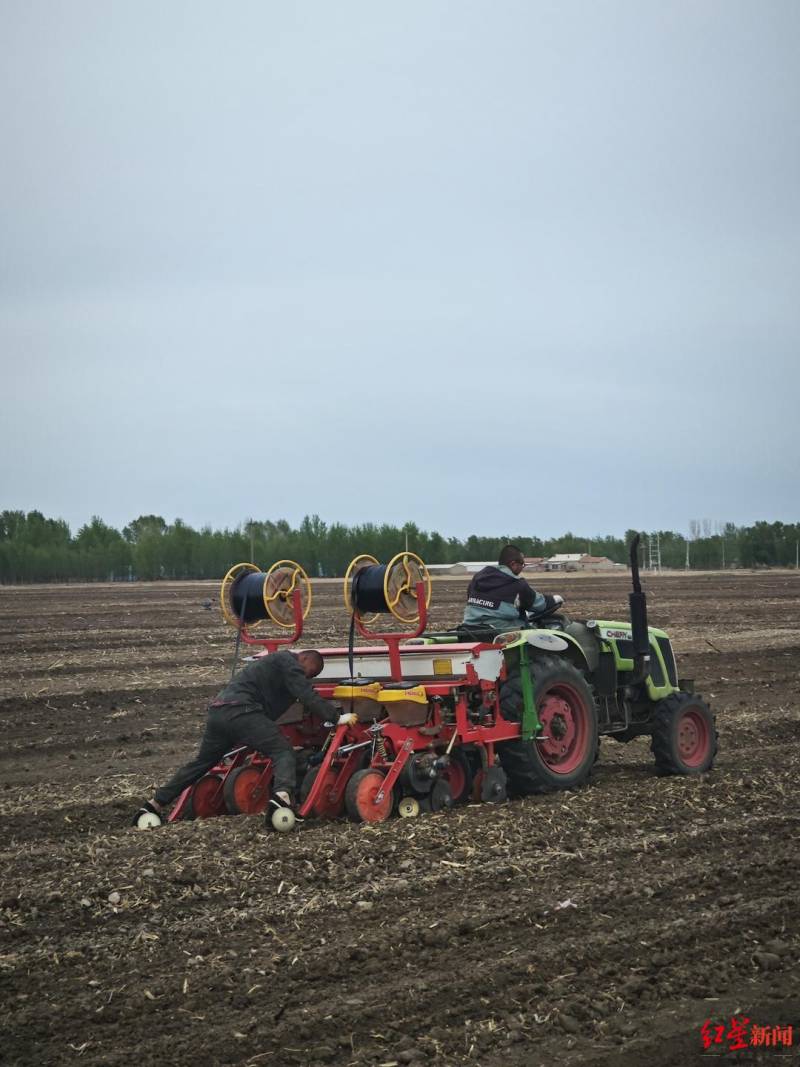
[[250, 596], [373, 588]]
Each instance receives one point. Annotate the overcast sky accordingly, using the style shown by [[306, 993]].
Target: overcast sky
[[491, 267]]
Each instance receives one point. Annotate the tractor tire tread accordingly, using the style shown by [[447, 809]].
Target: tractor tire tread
[[526, 772], [662, 740]]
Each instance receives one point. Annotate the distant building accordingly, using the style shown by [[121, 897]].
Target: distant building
[[437, 569], [598, 563], [564, 561], [535, 563], [467, 567], [578, 561], [449, 569]]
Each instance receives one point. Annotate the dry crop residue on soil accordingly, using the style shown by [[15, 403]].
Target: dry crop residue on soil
[[597, 927]]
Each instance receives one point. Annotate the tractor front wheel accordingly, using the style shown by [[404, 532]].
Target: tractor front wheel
[[360, 797], [684, 737], [563, 753]]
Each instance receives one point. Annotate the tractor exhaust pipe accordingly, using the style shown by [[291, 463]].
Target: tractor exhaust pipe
[[637, 603]]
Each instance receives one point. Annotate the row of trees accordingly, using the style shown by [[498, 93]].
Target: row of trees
[[37, 549]]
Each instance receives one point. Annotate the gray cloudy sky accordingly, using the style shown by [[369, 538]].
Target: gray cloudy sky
[[491, 267]]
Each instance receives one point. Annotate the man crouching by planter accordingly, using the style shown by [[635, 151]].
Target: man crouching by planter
[[244, 713]]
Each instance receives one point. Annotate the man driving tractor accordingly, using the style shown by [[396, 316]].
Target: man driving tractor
[[498, 599]]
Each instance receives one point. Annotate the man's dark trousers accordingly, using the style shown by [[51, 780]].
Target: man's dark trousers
[[229, 726]]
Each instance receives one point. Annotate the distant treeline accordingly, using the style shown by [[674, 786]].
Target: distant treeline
[[37, 549]]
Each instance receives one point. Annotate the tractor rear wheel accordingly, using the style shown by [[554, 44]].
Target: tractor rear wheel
[[684, 737], [563, 754], [207, 799], [246, 790], [360, 794]]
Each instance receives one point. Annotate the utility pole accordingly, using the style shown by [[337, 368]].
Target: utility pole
[[687, 553], [723, 553], [654, 552]]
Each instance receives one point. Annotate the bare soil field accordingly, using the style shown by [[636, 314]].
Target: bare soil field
[[600, 927]]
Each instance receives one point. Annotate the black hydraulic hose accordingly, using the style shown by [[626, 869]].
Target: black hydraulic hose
[[239, 634], [352, 636], [351, 640]]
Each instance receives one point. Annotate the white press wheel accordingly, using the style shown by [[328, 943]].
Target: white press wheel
[[408, 808], [148, 820], [282, 820]]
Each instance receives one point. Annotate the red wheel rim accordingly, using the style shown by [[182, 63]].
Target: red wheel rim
[[565, 728], [326, 806], [208, 798], [692, 737], [456, 778], [365, 793], [250, 790]]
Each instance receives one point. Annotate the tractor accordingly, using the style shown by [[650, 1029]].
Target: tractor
[[439, 719]]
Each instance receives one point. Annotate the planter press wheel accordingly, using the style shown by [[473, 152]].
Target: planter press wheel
[[458, 776], [283, 820], [246, 790], [280, 583], [408, 808], [360, 795], [403, 573], [415, 778], [147, 820], [208, 798], [324, 807], [441, 798], [228, 582], [493, 786], [356, 565]]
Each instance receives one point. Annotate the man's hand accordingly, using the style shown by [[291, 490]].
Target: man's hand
[[552, 602], [348, 719]]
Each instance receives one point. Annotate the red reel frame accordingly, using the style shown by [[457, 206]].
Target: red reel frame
[[394, 640], [272, 644], [299, 609]]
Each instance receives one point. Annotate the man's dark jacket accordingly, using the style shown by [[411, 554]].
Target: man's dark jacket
[[498, 600], [273, 683], [496, 592]]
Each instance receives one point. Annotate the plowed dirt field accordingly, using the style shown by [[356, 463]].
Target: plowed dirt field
[[598, 927]]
